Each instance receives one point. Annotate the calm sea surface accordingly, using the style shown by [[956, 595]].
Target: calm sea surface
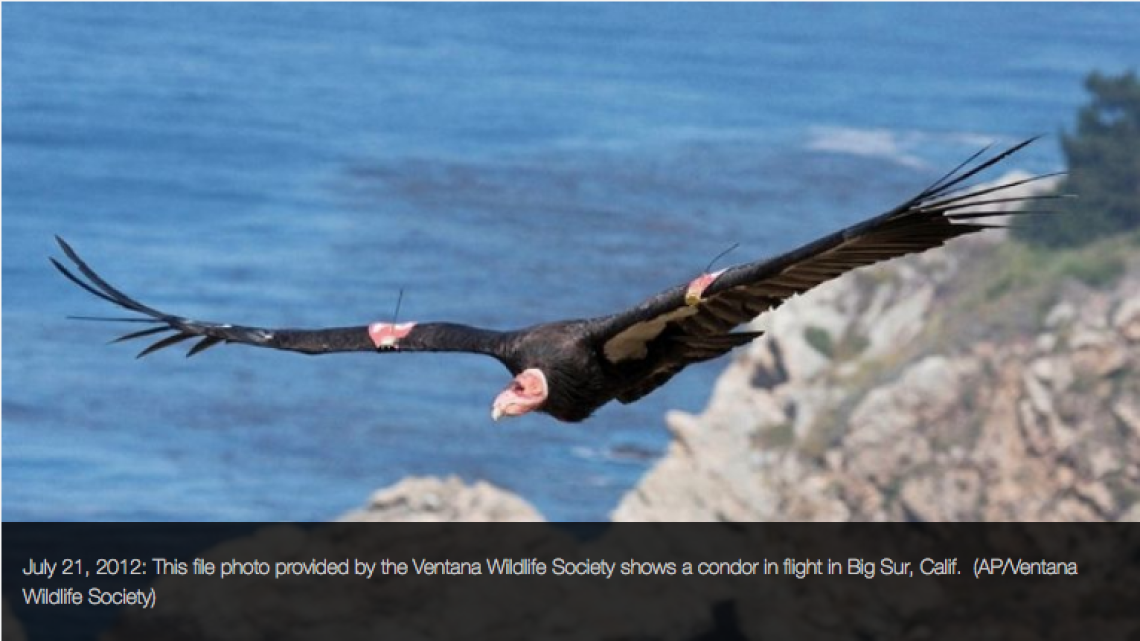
[[296, 165]]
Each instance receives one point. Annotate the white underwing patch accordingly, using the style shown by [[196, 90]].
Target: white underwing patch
[[632, 342]]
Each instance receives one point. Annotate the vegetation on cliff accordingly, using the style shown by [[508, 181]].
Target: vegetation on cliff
[[1103, 157]]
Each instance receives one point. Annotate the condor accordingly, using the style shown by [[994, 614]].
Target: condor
[[570, 368]]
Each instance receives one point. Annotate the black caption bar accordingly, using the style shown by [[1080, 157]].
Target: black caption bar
[[623, 581]]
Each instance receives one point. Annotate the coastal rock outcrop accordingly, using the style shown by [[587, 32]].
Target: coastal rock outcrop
[[444, 500]]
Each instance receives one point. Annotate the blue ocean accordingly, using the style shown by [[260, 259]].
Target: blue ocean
[[298, 165]]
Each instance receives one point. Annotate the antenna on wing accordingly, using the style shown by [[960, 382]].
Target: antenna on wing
[[720, 256], [399, 300]]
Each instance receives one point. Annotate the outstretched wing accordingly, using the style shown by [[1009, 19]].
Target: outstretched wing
[[694, 322], [171, 329]]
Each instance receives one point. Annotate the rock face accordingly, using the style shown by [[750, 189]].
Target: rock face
[[430, 499], [920, 389]]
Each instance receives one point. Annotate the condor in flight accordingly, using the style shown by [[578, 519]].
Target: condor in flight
[[568, 369]]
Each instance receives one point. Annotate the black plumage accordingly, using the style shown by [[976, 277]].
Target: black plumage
[[584, 364]]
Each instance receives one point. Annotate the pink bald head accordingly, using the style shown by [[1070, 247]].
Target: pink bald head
[[526, 393]]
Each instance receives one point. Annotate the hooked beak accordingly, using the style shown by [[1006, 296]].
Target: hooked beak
[[526, 393]]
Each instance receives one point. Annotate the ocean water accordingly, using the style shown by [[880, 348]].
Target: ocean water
[[297, 165]]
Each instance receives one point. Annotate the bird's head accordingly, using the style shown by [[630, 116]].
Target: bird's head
[[526, 393]]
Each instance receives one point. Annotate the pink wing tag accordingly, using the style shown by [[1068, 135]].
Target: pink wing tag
[[698, 287], [387, 335]]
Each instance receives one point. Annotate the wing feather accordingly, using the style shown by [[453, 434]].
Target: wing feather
[[140, 334], [166, 342]]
